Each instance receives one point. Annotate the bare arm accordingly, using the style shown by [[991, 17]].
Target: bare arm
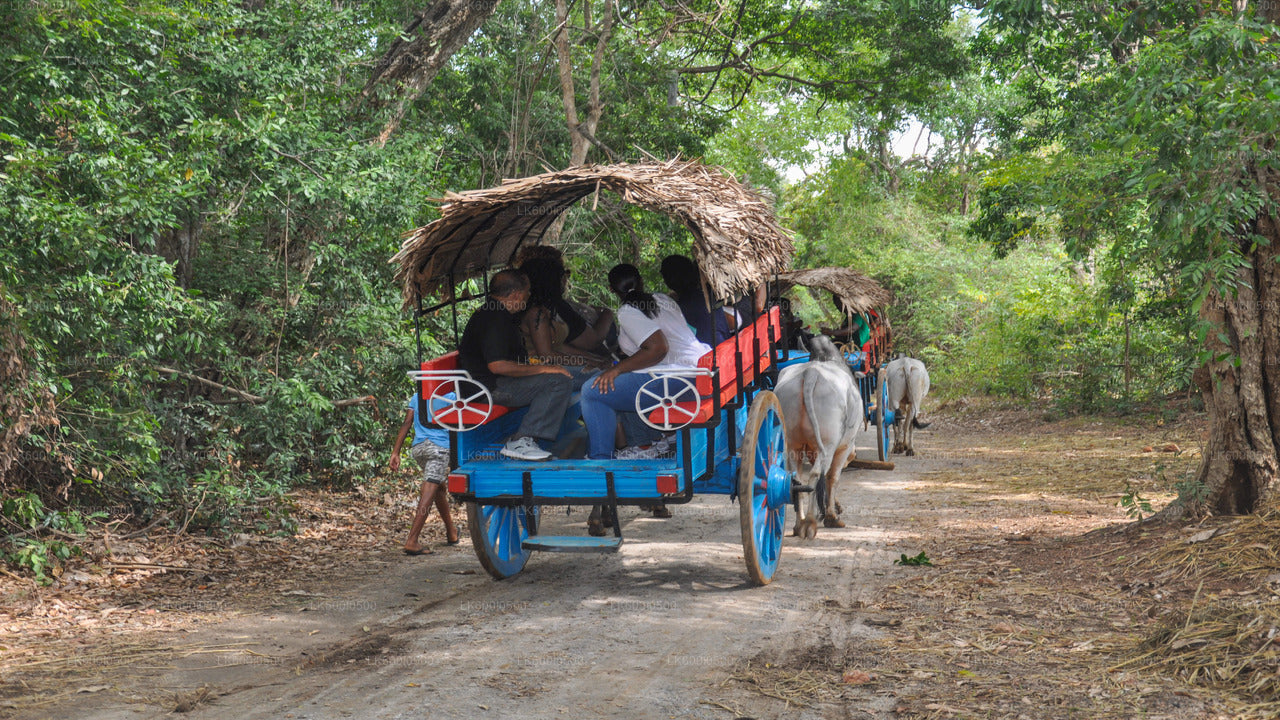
[[593, 335], [394, 465], [539, 325], [650, 353], [510, 368]]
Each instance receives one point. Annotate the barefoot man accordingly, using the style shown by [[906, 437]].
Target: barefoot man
[[431, 449]]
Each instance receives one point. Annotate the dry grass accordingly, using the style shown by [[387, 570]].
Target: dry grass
[[1047, 600]]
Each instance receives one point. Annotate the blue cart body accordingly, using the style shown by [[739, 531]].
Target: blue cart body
[[735, 420]]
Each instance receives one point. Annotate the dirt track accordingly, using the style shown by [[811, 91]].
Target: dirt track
[[656, 631]]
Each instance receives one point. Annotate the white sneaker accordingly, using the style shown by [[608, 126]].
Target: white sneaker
[[665, 446], [636, 452], [525, 448]]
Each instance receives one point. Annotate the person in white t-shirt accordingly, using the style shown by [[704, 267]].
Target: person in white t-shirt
[[654, 335]]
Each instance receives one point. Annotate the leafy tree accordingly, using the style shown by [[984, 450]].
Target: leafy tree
[[1163, 112]]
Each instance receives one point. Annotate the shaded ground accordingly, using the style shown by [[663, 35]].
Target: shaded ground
[[1043, 600]]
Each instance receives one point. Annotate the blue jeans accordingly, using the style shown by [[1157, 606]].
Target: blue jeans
[[601, 412]]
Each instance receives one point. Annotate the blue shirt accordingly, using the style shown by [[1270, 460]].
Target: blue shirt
[[422, 432], [709, 324]]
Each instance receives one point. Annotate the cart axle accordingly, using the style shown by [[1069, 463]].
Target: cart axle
[[572, 543]]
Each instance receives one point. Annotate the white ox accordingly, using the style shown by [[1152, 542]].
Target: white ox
[[908, 385], [821, 408]]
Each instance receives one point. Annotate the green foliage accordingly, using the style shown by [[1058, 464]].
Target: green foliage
[[185, 188], [1031, 323], [26, 544], [921, 560], [1135, 506]]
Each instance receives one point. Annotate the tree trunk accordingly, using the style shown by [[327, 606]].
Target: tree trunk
[[1241, 386], [582, 134], [434, 35], [1241, 381]]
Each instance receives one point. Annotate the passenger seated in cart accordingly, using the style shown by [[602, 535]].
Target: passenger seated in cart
[[793, 328], [710, 325], [859, 329], [653, 333], [551, 326], [493, 351], [589, 329]]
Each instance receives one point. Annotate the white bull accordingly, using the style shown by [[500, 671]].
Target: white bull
[[908, 385], [821, 407]]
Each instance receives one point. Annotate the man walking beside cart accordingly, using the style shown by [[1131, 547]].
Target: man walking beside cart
[[492, 350]]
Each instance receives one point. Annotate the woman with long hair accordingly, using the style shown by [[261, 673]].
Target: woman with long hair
[[653, 334]]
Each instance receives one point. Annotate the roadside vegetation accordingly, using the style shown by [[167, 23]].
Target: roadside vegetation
[[197, 205]]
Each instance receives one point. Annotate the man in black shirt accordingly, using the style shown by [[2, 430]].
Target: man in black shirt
[[492, 350]]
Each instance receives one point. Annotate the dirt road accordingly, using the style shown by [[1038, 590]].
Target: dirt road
[[656, 631]]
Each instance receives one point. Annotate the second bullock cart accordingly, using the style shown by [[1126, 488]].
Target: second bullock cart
[[864, 299]]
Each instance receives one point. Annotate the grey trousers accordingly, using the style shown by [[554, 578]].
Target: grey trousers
[[547, 397]]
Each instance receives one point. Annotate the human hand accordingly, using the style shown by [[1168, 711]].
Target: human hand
[[394, 465], [604, 381], [557, 370]]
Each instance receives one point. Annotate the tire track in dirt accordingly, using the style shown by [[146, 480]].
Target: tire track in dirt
[[654, 631]]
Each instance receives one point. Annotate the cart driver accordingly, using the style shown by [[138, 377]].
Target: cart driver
[[492, 350]]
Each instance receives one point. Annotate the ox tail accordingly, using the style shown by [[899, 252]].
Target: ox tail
[[822, 459], [919, 425]]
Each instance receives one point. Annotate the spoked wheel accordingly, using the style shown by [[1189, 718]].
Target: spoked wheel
[[764, 487], [498, 533], [665, 394], [460, 404], [883, 434]]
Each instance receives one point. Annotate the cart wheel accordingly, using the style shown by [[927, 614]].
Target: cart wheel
[[665, 393], [883, 434], [764, 487], [497, 534], [468, 409]]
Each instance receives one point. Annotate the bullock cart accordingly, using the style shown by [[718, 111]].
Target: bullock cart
[[866, 298], [727, 424]]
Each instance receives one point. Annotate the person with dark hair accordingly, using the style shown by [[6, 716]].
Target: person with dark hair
[[551, 326], [654, 335], [710, 325], [590, 329], [492, 350], [853, 328]]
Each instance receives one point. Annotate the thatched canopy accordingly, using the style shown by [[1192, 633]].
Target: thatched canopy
[[858, 292], [737, 240]]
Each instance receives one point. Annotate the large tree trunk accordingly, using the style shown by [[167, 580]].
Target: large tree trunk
[[1241, 381], [423, 48], [1241, 385]]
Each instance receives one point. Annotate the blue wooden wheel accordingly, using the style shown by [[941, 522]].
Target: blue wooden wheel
[[497, 534], [764, 487], [883, 434]]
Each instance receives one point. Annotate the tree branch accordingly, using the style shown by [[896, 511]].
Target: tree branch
[[242, 397], [247, 397]]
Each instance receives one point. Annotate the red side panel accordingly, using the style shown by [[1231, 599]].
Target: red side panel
[[444, 362], [469, 415]]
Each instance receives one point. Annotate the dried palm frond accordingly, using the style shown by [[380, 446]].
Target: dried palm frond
[[858, 292], [738, 242]]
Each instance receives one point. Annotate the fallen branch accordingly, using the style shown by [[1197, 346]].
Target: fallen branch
[[247, 397], [242, 397], [869, 464]]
